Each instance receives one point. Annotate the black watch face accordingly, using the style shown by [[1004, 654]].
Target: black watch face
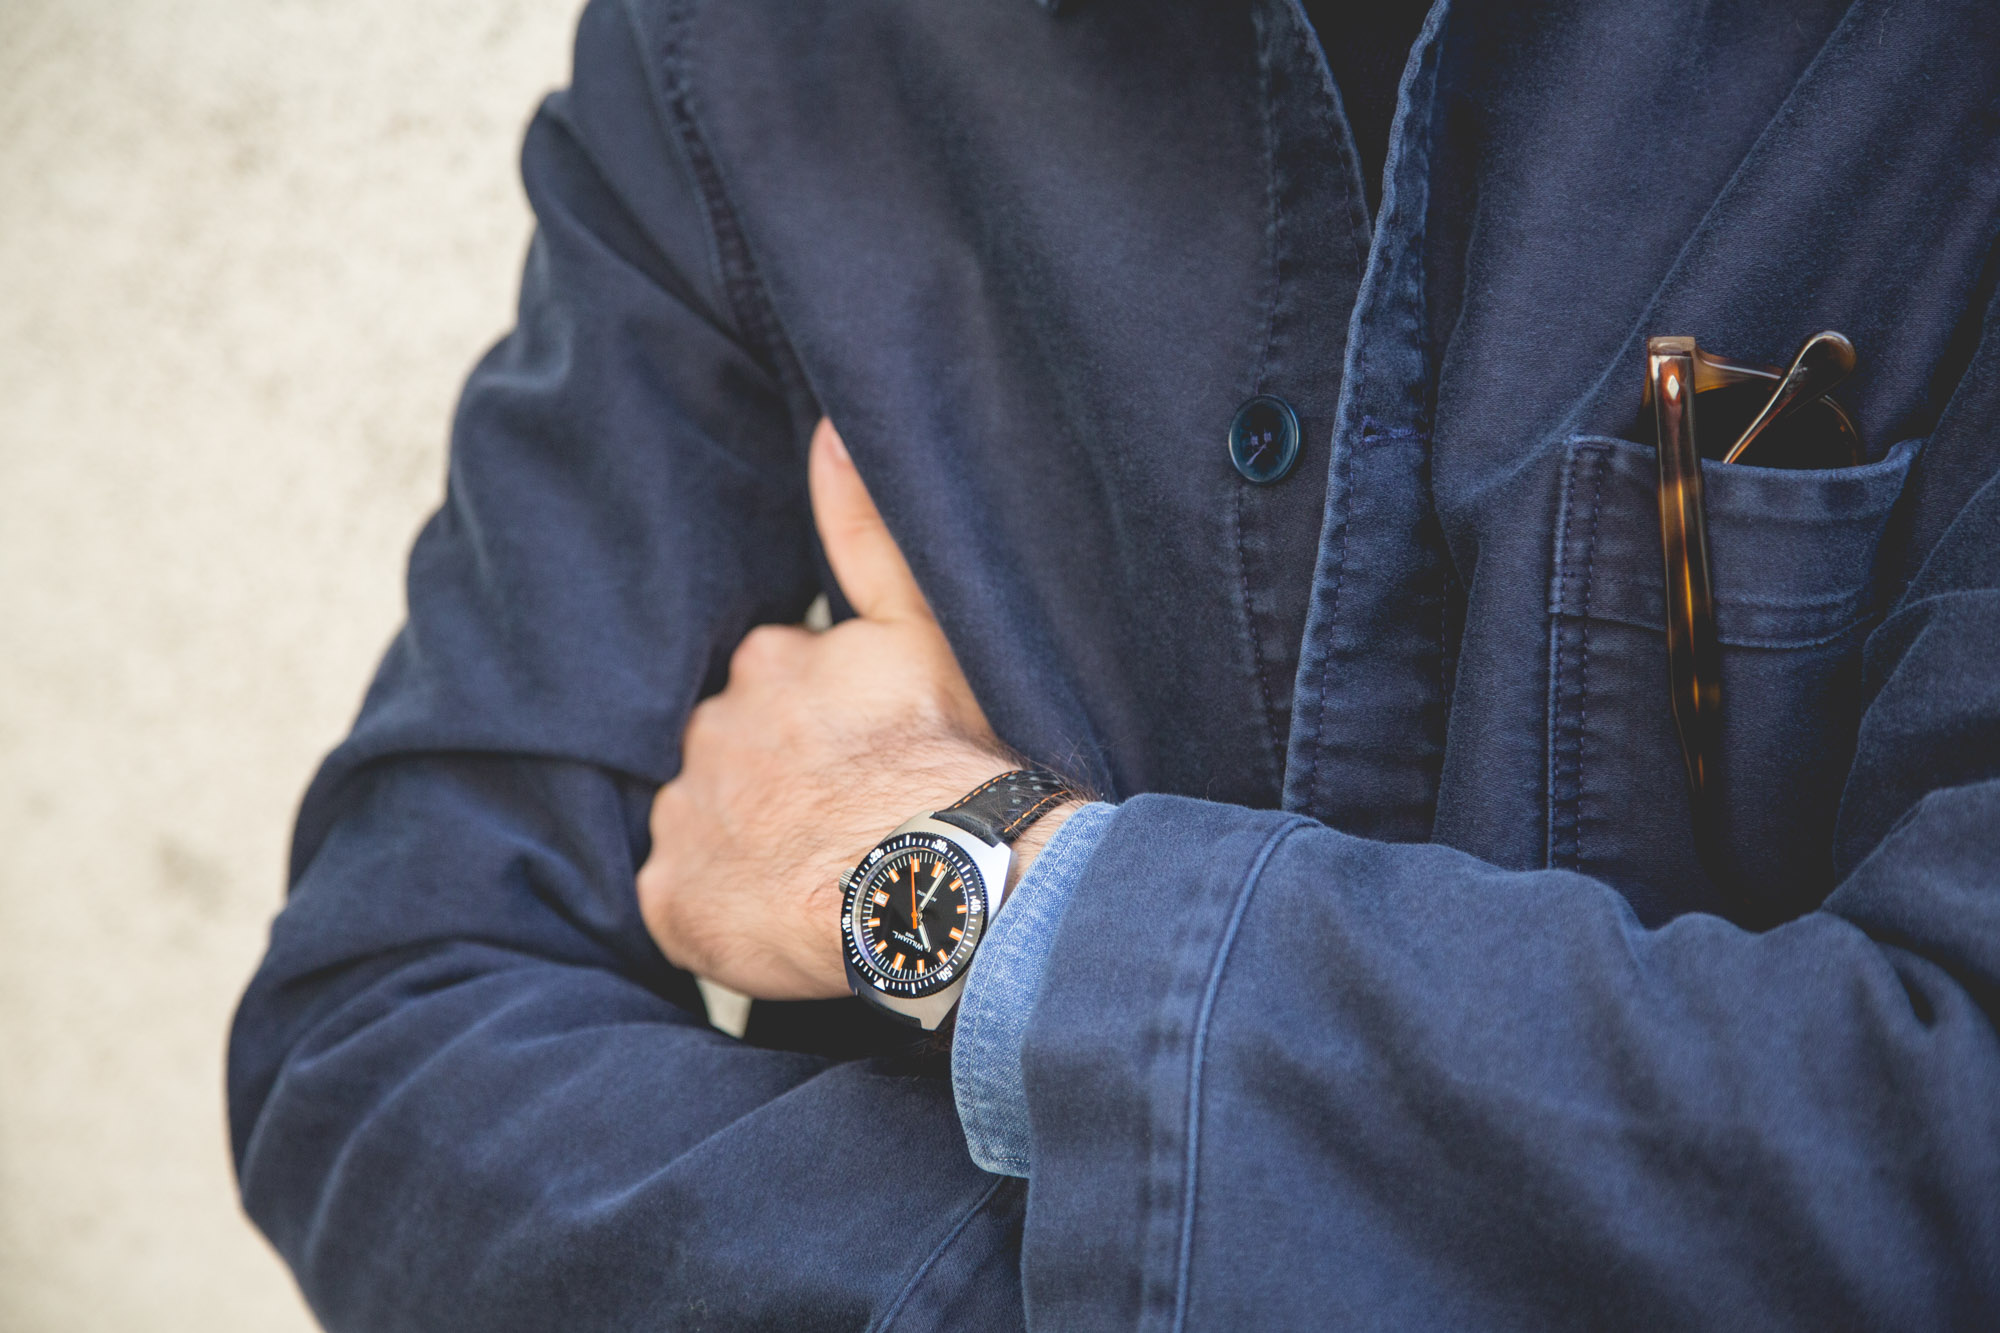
[[913, 914]]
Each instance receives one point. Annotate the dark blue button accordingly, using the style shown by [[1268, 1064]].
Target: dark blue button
[[1264, 439]]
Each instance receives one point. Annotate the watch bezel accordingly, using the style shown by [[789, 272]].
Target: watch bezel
[[866, 876]]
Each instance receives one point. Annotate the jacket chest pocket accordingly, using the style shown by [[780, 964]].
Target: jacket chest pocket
[[1793, 559]]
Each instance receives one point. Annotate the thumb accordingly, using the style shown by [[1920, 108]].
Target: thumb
[[865, 558]]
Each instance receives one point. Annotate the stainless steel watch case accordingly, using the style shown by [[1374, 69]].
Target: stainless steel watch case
[[992, 861]]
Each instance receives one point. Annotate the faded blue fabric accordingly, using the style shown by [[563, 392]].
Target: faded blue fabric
[[1392, 994], [1000, 991]]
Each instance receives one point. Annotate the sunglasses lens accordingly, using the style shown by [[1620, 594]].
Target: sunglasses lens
[[1817, 435]]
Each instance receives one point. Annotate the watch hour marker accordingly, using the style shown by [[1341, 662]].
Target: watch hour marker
[[874, 921], [943, 954], [956, 933], [898, 964], [922, 964], [880, 897], [961, 909]]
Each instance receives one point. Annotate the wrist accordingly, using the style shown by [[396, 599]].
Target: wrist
[[1035, 837]]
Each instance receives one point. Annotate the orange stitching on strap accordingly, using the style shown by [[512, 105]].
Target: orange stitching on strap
[[1034, 812], [982, 788]]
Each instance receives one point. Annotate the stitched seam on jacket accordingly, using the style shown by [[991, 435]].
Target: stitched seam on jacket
[[1185, 1257], [930, 1260], [1257, 642], [1344, 480], [1771, 642], [1552, 786], [755, 320], [1583, 659], [1273, 288], [1563, 788], [1426, 429]]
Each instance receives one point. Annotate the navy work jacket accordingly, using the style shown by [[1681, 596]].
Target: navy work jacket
[[1394, 995]]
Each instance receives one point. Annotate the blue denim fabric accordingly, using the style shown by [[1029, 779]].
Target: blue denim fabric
[[1392, 994], [1000, 993]]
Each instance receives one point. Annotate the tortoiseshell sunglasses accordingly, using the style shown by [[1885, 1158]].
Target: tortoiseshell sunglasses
[[1751, 414]]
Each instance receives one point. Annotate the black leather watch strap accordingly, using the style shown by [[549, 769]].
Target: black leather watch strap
[[1001, 810]]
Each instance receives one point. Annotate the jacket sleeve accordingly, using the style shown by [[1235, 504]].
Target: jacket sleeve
[[466, 1092], [1282, 1077]]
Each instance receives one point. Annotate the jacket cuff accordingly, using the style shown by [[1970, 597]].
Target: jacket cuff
[[1000, 993]]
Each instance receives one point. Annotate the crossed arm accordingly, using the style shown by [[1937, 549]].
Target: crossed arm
[[1323, 1078]]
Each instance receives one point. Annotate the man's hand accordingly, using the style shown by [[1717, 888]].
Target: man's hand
[[820, 744]]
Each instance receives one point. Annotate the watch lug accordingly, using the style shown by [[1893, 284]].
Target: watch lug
[[993, 861]]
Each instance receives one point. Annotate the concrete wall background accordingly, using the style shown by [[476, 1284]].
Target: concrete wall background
[[247, 251]]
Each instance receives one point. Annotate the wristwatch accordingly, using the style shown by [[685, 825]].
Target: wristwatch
[[916, 907]]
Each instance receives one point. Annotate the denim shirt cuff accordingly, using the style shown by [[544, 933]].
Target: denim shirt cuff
[[1000, 993]]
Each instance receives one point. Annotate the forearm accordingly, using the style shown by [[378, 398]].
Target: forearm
[[468, 1094], [1397, 1069]]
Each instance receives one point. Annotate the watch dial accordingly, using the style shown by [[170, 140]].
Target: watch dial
[[913, 914]]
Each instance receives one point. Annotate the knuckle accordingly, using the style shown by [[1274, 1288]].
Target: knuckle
[[701, 719], [666, 799], [708, 727], [655, 885], [765, 648], [660, 905]]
